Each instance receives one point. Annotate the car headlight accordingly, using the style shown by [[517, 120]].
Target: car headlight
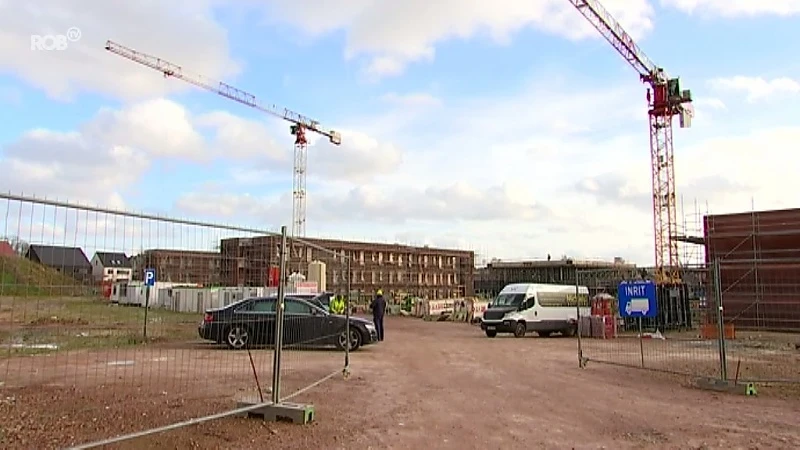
[[369, 326]]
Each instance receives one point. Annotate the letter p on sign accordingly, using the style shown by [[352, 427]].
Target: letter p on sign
[[150, 277]]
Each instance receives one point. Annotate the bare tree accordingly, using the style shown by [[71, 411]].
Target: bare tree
[[18, 244]]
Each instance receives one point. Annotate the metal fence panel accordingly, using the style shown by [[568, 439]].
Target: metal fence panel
[[761, 309], [681, 339], [87, 346], [316, 330]]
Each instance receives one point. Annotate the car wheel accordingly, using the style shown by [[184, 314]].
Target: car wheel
[[544, 334], [520, 330], [355, 339], [237, 337], [491, 333]]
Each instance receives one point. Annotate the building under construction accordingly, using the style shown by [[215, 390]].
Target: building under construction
[[598, 276], [759, 267], [179, 266], [397, 269]]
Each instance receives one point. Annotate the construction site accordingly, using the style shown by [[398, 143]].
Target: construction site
[[399, 270], [492, 278], [205, 334]]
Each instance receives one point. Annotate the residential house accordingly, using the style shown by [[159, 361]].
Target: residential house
[[6, 249], [111, 266], [70, 261]]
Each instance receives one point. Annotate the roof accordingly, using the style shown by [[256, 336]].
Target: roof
[[113, 259], [6, 249], [59, 256]]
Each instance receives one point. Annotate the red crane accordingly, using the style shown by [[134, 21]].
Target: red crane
[[300, 123], [665, 100]]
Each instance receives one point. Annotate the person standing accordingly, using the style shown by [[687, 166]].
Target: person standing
[[338, 305], [378, 307]]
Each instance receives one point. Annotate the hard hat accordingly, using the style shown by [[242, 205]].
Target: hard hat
[[380, 292]]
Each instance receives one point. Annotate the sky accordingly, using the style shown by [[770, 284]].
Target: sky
[[510, 128]]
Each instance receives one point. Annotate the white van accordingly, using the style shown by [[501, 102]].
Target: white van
[[544, 308]]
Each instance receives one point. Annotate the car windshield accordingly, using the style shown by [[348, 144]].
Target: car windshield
[[508, 300]]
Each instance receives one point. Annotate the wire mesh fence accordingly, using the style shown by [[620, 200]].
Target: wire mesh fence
[[115, 323], [761, 319], [320, 331], [671, 341]]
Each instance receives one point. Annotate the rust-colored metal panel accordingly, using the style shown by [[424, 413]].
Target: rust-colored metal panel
[[759, 254], [755, 235]]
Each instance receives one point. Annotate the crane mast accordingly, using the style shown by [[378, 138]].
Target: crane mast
[[299, 123], [665, 100]]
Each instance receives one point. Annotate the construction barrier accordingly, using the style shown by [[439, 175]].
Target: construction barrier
[[437, 308], [478, 308]]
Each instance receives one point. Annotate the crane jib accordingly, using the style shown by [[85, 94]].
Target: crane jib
[[223, 89]]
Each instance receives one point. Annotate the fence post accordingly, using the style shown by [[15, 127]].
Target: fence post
[[146, 307], [723, 357], [346, 370], [578, 311], [641, 341], [276, 361]]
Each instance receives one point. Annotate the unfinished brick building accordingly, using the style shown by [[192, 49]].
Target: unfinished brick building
[[496, 275], [397, 269], [179, 266]]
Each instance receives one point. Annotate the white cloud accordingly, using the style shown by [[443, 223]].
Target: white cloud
[[161, 126], [242, 138], [184, 32], [447, 203], [556, 179], [737, 8], [106, 156], [758, 88], [393, 34], [710, 103], [728, 172], [71, 166]]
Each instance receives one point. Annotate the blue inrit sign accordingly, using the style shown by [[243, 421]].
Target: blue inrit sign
[[638, 299], [150, 277]]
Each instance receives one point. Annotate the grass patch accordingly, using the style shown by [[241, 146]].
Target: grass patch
[[49, 324], [22, 277]]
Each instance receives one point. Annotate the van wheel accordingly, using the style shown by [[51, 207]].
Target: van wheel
[[491, 333], [520, 330], [544, 333]]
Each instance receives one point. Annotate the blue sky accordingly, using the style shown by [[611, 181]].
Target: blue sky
[[508, 128]]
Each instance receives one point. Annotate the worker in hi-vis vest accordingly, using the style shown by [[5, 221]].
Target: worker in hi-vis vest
[[338, 305]]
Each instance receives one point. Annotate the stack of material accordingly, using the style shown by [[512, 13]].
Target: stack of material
[[601, 327]]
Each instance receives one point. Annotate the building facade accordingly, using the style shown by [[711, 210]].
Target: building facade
[[179, 266], [399, 270], [111, 266], [758, 254], [596, 275]]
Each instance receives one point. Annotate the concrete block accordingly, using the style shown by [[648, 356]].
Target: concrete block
[[728, 386], [284, 412]]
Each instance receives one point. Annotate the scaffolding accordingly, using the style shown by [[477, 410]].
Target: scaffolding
[[759, 257]]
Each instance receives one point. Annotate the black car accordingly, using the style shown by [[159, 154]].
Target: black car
[[252, 322], [322, 300]]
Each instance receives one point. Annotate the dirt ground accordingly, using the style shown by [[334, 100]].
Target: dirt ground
[[440, 385]]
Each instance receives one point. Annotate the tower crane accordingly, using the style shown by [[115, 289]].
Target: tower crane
[[299, 123], [665, 100]]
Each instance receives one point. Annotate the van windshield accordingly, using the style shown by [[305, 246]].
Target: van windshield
[[508, 300]]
